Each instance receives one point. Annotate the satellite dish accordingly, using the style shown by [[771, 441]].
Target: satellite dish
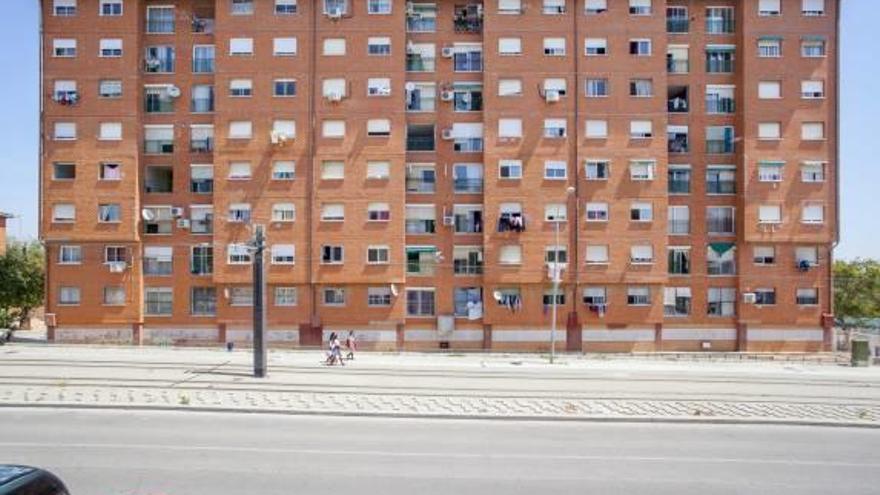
[[148, 214], [497, 295], [394, 290], [410, 86]]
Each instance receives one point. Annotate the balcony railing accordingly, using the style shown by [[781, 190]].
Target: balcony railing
[[721, 268], [719, 146], [677, 105], [719, 66], [721, 186], [426, 268], [201, 186], [468, 185], [722, 226], [679, 186], [720, 105], [467, 225], [420, 226], [678, 144], [417, 63], [203, 65], [465, 267], [678, 226], [201, 145], [158, 146], [419, 143], [677, 66], [468, 24], [202, 25], [677, 25], [468, 145], [420, 185]]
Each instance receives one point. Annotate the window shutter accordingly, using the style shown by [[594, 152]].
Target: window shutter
[[597, 128], [510, 254], [241, 45], [240, 129], [509, 87], [284, 46], [509, 45], [333, 128], [286, 128], [332, 170], [201, 172], [334, 86], [510, 127]]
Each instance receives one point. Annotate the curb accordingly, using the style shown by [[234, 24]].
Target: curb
[[719, 420]]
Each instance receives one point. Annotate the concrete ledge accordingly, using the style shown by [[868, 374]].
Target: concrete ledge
[[622, 335]]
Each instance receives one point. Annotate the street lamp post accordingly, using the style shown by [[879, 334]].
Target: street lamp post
[[555, 271]]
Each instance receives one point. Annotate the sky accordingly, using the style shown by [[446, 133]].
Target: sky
[[19, 118]]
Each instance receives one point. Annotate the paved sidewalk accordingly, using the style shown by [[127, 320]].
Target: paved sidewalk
[[434, 385]]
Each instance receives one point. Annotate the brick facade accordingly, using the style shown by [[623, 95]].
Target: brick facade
[[415, 298]]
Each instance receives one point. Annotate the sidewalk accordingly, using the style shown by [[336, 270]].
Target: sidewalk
[[490, 386]]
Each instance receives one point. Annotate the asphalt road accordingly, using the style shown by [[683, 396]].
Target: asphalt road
[[171, 453]]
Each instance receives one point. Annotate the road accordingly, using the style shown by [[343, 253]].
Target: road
[[173, 453]]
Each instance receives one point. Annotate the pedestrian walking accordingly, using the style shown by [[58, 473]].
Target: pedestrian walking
[[351, 344], [331, 357], [336, 350]]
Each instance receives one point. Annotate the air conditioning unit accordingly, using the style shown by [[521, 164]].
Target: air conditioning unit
[[117, 266], [334, 96], [278, 138], [447, 95], [447, 134], [551, 95], [447, 52], [410, 8], [334, 13], [173, 91], [183, 223], [599, 309], [749, 298], [177, 212], [449, 220]]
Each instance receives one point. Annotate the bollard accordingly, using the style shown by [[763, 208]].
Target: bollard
[[229, 346]]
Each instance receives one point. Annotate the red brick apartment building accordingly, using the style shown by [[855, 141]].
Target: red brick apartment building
[[414, 162]]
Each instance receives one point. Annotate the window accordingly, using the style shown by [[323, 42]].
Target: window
[[201, 138], [331, 255], [240, 88], [286, 296], [555, 212], [678, 220], [679, 179], [110, 48], [677, 20], [420, 302], [509, 128], [202, 100], [240, 129], [420, 219], [594, 47], [65, 92], [510, 169], [813, 47], [239, 212], [769, 130], [720, 99], [769, 8], [239, 170], [114, 296], [807, 297], [63, 171], [109, 213], [160, 20], [158, 301], [719, 59], [806, 256], [110, 88], [641, 212], [769, 47], [242, 7], [721, 258], [510, 255], [284, 87], [813, 213], [641, 88], [813, 7], [719, 139], [333, 212], [467, 137], [510, 46], [334, 296], [203, 301], [157, 99], [378, 255], [159, 59], [640, 7], [64, 8], [332, 170], [509, 6], [597, 129], [111, 7], [334, 88], [554, 128], [201, 260], [677, 301], [283, 212], [554, 47], [595, 296], [642, 170], [597, 254], [110, 131], [201, 219], [678, 59], [378, 212], [284, 47], [640, 47], [378, 296], [769, 214], [765, 297], [769, 90], [241, 296], [554, 7], [334, 47], [638, 296], [64, 47], [283, 254], [378, 127], [238, 254], [596, 88], [379, 6], [721, 301], [160, 220], [764, 255], [285, 7], [379, 45], [158, 260], [720, 220], [284, 130], [597, 212], [812, 90], [68, 296], [555, 170], [69, 255], [283, 170], [467, 57], [378, 170], [509, 87], [594, 7], [553, 297], [241, 46], [719, 20], [597, 169], [65, 131], [813, 172], [641, 254], [679, 260], [813, 131], [770, 171], [640, 129]]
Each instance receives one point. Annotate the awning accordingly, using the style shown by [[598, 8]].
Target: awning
[[421, 249], [812, 37], [770, 37], [721, 247]]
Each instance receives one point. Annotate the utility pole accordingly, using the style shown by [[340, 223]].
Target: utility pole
[[554, 272], [259, 245]]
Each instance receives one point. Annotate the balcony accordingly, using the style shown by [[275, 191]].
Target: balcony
[[679, 186], [719, 25], [420, 226], [204, 225], [159, 179], [468, 185], [70, 97], [720, 105], [677, 143], [158, 103], [681, 307], [721, 267], [203, 65], [677, 66], [466, 267], [720, 226], [715, 65], [416, 62], [205, 145], [512, 222], [469, 223], [677, 25], [202, 105], [202, 25], [420, 185], [677, 99], [468, 145], [468, 18], [720, 186], [158, 146], [678, 226], [201, 186], [719, 146]]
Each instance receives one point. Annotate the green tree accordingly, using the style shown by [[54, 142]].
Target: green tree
[[857, 289], [21, 282]]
